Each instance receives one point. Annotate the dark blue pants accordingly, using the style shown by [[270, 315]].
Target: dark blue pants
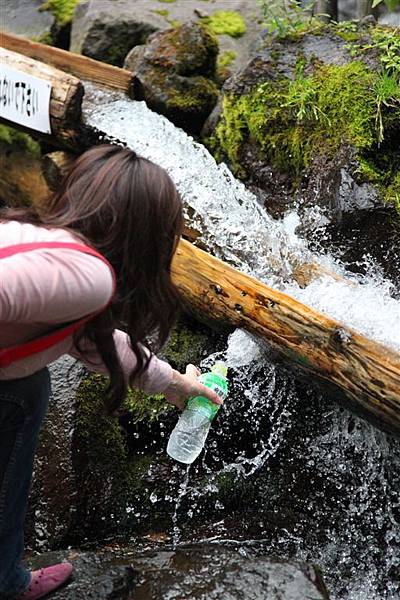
[[23, 404]]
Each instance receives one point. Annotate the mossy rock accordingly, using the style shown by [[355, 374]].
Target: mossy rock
[[308, 107], [190, 342], [175, 74]]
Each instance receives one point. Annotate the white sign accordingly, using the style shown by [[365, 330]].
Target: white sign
[[24, 99]]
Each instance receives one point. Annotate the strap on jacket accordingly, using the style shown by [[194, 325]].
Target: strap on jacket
[[20, 351]]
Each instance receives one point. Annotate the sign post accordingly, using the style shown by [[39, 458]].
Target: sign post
[[25, 99]]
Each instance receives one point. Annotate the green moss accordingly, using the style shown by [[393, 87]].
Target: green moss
[[140, 406], [188, 343], [226, 22], [201, 93], [167, 1], [292, 121], [116, 53], [226, 58], [63, 10], [45, 38], [163, 12], [21, 141]]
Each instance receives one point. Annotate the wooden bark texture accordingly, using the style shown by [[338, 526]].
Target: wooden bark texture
[[366, 371], [81, 66]]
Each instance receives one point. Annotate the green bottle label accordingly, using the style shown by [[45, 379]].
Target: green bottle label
[[200, 404]]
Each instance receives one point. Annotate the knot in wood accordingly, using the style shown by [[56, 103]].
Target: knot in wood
[[341, 337]]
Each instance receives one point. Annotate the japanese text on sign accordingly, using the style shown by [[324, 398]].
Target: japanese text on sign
[[25, 99]]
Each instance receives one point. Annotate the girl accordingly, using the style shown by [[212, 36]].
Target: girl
[[99, 257]]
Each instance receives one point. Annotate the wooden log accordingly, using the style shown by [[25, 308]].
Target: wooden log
[[66, 95], [81, 66], [367, 372]]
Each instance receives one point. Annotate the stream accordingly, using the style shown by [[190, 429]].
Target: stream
[[320, 484]]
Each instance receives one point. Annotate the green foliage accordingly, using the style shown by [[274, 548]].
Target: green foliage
[[63, 10], [347, 30], [387, 94], [286, 18], [386, 41], [391, 4], [226, 22], [17, 139]]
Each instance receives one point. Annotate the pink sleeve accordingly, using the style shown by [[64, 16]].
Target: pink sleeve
[[50, 286], [154, 381]]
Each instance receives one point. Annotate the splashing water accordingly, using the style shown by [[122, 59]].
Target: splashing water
[[236, 228], [325, 483]]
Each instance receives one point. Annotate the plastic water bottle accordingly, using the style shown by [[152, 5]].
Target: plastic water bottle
[[189, 435]]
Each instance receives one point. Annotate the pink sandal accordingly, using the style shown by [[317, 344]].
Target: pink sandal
[[46, 580]]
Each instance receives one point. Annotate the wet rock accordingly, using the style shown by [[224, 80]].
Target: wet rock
[[95, 576], [107, 30], [107, 35], [52, 504], [189, 573], [97, 475], [24, 18], [173, 74], [290, 123]]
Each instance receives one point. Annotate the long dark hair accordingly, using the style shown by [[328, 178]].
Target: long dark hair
[[129, 210]]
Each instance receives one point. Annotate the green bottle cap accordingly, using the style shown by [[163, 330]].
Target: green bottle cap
[[220, 369]]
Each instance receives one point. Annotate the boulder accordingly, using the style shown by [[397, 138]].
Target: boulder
[[107, 30], [24, 18], [314, 118], [194, 572], [174, 74]]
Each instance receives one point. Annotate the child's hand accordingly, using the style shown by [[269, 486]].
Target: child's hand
[[183, 387]]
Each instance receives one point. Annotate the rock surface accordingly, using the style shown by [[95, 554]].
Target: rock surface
[[94, 474], [174, 74], [192, 573], [24, 18], [107, 30], [280, 125]]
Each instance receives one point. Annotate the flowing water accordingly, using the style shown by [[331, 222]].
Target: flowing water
[[325, 484]]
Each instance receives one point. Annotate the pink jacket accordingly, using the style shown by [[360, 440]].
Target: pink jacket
[[50, 286]]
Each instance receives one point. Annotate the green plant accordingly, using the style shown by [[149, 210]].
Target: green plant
[[302, 99], [387, 93], [387, 43], [391, 4], [286, 18]]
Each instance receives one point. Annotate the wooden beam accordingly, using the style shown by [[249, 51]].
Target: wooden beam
[[81, 66], [367, 372]]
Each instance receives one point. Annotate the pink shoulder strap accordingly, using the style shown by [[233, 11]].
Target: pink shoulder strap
[[20, 351]]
